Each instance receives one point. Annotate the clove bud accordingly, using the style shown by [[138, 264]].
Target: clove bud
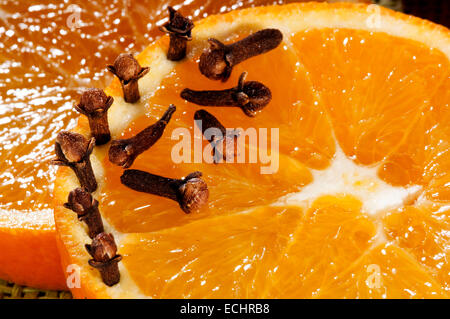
[[128, 70], [94, 103], [74, 150]]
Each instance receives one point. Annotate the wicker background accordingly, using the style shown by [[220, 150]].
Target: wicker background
[[13, 291]]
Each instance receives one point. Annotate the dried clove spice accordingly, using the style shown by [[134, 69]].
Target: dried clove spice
[[218, 61], [94, 103], [179, 29], [124, 152], [224, 143], [74, 150], [128, 70], [191, 192], [250, 96], [104, 253], [86, 207]]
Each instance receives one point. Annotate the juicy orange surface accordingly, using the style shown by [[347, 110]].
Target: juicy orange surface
[[45, 63], [382, 99]]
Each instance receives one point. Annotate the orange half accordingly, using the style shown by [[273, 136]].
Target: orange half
[[46, 60]]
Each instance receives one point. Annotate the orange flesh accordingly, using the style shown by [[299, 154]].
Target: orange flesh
[[382, 106]]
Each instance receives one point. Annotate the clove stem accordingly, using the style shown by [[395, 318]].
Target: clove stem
[[124, 152]]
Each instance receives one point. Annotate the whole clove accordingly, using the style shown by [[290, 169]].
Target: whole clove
[[224, 143], [128, 71], [94, 104], [250, 96], [218, 61], [104, 257], [190, 192]]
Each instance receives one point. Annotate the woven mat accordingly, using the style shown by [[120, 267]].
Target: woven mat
[[13, 291]]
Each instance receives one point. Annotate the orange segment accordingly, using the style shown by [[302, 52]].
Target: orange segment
[[385, 272], [422, 157], [373, 94], [333, 235], [192, 261], [423, 232]]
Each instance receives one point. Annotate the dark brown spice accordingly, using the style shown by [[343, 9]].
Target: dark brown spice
[[179, 29], [217, 62], [94, 103], [250, 96], [222, 141], [128, 70], [191, 192], [74, 150], [104, 253], [86, 207], [124, 152]]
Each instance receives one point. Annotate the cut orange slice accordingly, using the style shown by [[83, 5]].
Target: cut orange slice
[[359, 205], [43, 67]]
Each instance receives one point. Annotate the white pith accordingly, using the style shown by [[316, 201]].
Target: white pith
[[344, 177]]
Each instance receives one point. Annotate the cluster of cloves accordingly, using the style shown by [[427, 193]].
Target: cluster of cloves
[[217, 63], [74, 150], [103, 248], [191, 192]]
